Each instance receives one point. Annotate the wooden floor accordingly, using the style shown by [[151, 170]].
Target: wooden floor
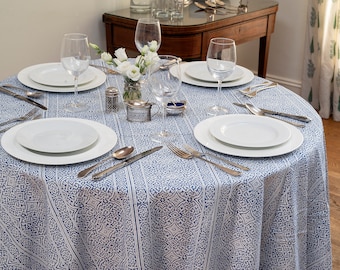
[[332, 132]]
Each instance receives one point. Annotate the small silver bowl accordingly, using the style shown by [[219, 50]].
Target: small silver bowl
[[175, 108]]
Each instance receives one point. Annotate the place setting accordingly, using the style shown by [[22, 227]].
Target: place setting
[[58, 141], [246, 135], [52, 77], [196, 73]]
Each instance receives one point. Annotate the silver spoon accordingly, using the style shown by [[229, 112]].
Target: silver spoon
[[118, 154], [32, 94], [257, 111]]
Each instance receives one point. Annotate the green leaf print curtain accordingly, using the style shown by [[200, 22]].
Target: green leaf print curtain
[[321, 74]]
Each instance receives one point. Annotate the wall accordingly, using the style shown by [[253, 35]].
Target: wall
[[31, 33]]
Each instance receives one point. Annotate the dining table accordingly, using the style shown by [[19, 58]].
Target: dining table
[[162, 211]]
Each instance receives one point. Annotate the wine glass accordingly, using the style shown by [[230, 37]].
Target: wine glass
[[75, 58], [221, 62], [147, 30], [164, 85]]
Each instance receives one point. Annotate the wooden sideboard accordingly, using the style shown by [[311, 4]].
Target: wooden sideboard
[[189, 38]]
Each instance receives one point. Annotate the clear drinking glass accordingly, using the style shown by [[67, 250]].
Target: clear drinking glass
[[221, 62], [75, 58], [164, 85], [147, 30]]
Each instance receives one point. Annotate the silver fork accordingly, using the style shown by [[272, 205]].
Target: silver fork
[[182, 154], [256, 91], [250, 88], [197, 153], [21, 118]]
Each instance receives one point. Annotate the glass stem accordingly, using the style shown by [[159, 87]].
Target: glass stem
[[76, 88], [163, 132], [219, 92]]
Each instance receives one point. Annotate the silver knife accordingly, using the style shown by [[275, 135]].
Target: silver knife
[[5, 91], [126, 162], [293, 116]]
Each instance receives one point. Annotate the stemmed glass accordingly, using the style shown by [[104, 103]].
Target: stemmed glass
[[75, 58], [221, 62], [147, 30], [164, 85]]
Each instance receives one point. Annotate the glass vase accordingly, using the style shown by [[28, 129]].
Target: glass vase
[[132, 90]]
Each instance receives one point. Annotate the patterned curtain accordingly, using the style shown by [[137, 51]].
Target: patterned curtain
[[321, 75]]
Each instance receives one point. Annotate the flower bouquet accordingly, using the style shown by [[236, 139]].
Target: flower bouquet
[[132, 71]]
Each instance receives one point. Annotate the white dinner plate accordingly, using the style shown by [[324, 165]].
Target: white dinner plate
[[54, 74], [203, 136], [60, 135], [199, 71], [106, 141], [24, 78], [250, 131], [247, 77]]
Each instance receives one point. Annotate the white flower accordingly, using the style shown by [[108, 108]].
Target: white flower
[[144, 50], [107, 57], [133, 73], [153, 45], [151, 58], [121, 54], [123, 67]]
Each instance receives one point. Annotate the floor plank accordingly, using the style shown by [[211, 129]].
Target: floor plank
[[332, 134]]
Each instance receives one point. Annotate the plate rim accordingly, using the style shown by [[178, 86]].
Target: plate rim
[[106, 141], [20, 138], [252, 118], [23, 77], [212, 80], [59, 67], [201, 130], [248, 77]]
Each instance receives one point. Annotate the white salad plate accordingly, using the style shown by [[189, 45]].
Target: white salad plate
[[24, 78], [54, 74], [250, 131], [247, 77], [203, 136], [107, 139], [59, 135], [199, 71]]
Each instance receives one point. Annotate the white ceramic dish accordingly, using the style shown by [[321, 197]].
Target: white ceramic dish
[[53, 74], [203, 136], [106, 141], [250, 131], [24, 78], [247, 77], [60, 135], [199, 71]]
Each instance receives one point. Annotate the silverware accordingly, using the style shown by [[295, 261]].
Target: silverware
[[26, 99], [106, 69], [258, 89], [195, 152], [250, 88], [292, 116], [118, 154], [257, 111], [32, 94], [21, 118], [209, 9], [182, 154], [126, 162]]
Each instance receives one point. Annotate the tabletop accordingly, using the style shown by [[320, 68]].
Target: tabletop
[[163, 212]]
